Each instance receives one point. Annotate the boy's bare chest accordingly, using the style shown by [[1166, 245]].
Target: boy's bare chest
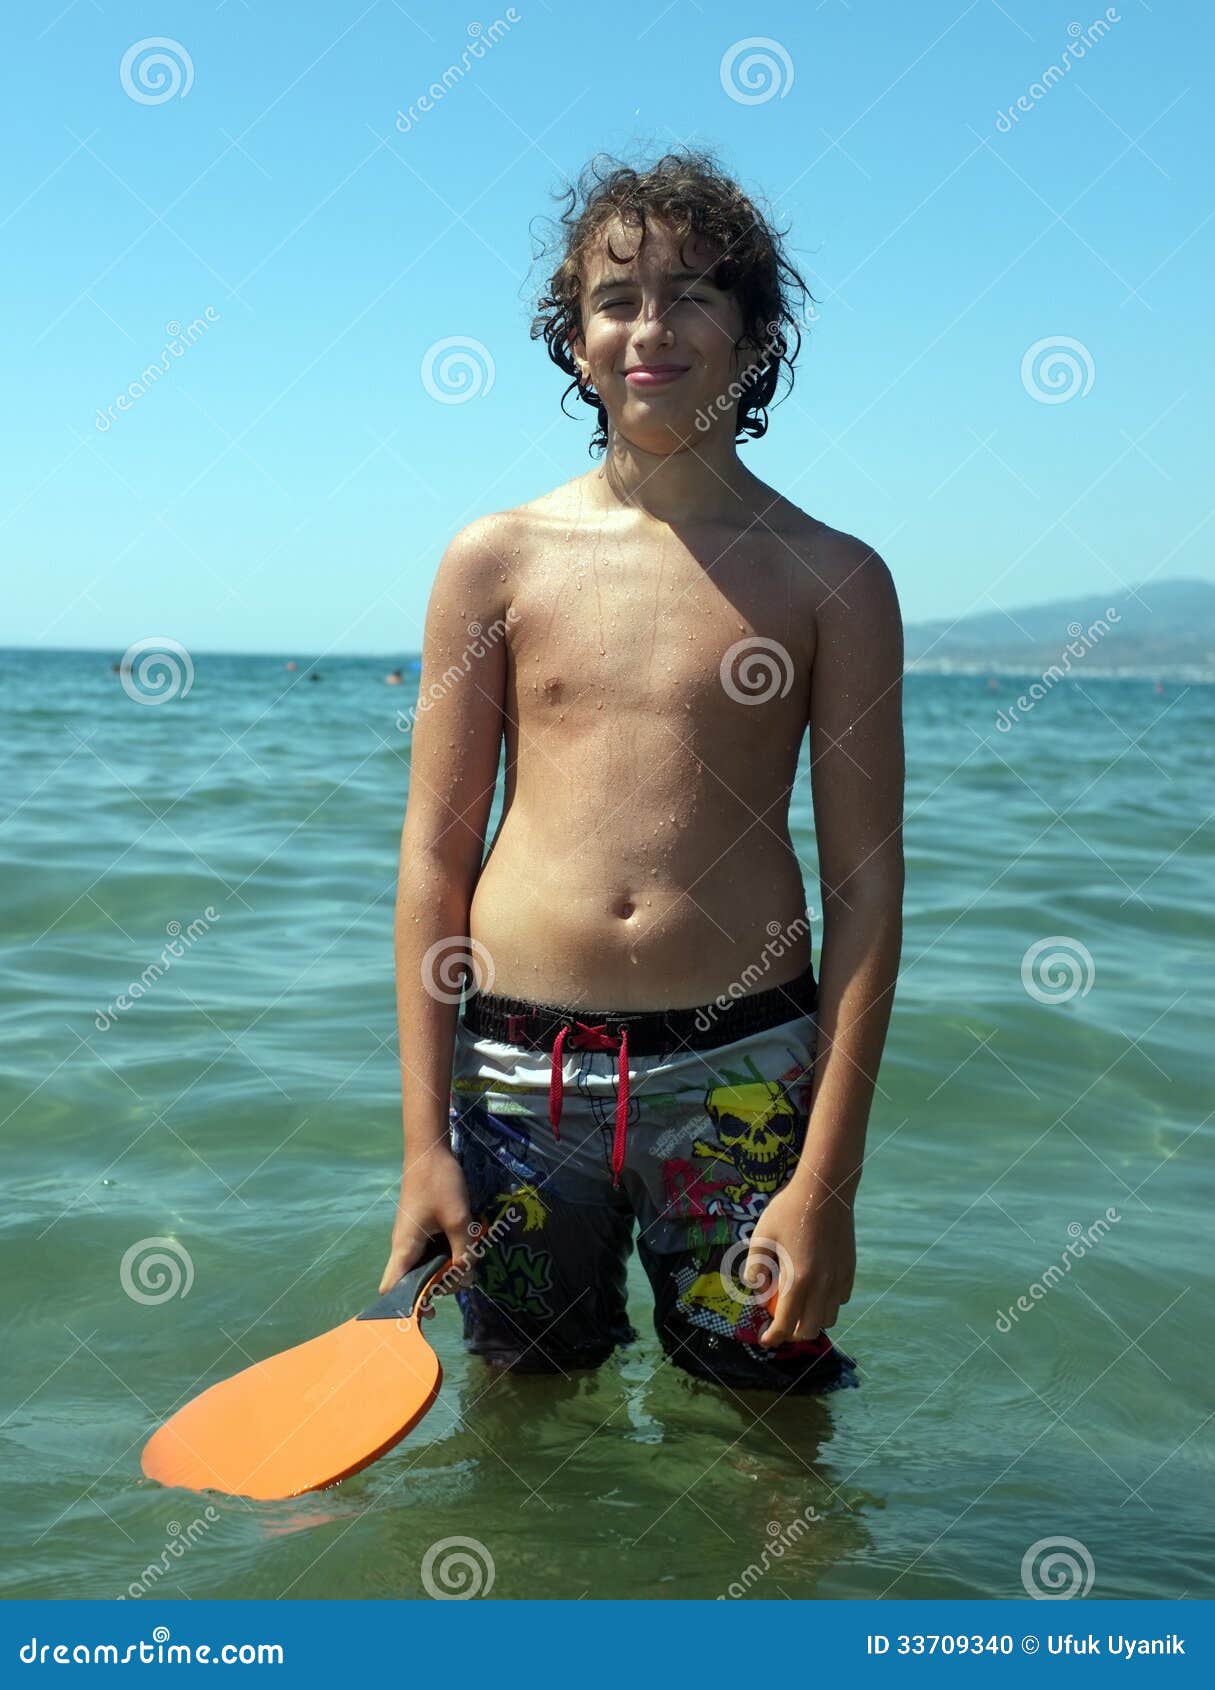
[[666, 633]]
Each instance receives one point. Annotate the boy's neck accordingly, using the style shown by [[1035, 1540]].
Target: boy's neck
[[700, 483]]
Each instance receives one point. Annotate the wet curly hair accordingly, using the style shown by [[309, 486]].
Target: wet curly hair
[[688, 191]]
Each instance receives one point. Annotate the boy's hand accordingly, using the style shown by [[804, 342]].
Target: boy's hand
[[813, 1238], [434, 1198]]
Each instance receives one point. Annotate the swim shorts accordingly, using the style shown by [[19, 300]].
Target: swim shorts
[[576, 1129]]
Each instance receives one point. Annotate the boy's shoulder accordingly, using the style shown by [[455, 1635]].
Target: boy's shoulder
[[499, 542], [496, 538], [774, 517], [480, 559], [831, 557], [493, 551]]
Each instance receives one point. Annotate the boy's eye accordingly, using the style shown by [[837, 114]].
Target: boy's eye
[[680, 298]]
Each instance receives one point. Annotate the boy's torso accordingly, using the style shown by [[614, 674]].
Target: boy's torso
[[657, 690]]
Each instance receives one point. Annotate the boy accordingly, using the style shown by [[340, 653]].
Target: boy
[[644, 1043]]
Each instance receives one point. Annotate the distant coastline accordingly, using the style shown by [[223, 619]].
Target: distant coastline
[[1158, 631], [929, 667], [1190, 674]]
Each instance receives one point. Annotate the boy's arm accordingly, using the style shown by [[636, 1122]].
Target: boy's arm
[[455, 741], [856, 765]]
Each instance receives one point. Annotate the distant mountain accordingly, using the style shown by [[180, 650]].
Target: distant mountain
[[1158, 627]]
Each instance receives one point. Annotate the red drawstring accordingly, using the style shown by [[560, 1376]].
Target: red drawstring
[[622, 1108], [555, 1093], [587, 1037]]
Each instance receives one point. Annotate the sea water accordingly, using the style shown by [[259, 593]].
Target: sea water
[[201, 1172]]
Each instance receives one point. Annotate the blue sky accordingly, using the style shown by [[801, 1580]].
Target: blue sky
[[288, 483]]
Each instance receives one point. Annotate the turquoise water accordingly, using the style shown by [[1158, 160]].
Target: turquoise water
[[244, 1108]]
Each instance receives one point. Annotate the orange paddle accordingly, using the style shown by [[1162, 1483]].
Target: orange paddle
[[316, 1413]]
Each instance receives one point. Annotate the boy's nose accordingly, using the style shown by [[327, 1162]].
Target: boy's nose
[[652, 323]]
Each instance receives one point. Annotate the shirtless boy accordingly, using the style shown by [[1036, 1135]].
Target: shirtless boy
[[644, 1049]]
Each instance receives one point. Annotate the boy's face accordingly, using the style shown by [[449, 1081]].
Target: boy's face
[[658, 342]]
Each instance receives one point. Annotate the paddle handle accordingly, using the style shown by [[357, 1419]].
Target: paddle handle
[[401, 1302]]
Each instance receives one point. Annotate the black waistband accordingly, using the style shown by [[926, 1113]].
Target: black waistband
[[652, 1032]]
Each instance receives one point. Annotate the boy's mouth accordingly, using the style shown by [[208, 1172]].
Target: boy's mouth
[[654, 375]]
